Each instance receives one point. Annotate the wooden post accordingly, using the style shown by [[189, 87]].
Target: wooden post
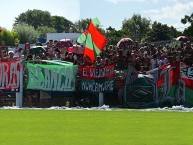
[[101, 99]]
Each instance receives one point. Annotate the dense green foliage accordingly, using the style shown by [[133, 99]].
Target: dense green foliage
[[61, 24], [161, 32], [38, 19], [136, 27], [81, 25], [9, 37], [48, 127], [114, 35], [188, 31], [35, 18], [26, 33], [42, 31]]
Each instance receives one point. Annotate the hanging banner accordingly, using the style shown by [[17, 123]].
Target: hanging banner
[[168, 84], [9, 75], [97, 79], [97, 86], [51, 77], [157, 87], [171, 84], [186, 71], [95, 73]]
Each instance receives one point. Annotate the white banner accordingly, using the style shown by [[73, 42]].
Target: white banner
[[186, 71]]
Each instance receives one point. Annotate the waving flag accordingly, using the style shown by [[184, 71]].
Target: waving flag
[[82, 37], [95, 41]]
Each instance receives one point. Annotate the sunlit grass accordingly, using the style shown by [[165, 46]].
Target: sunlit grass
[[59, 127]]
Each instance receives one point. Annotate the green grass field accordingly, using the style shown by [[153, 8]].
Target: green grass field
[[60, 127]]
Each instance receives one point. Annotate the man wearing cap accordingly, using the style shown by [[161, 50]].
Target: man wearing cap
[[11, 56]]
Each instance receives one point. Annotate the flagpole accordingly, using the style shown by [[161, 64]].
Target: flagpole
[[100, 94]]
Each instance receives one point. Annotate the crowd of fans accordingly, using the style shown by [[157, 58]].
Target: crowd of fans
[[142, 58]]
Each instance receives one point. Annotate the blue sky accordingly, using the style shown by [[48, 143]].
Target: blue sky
[[110, 12]]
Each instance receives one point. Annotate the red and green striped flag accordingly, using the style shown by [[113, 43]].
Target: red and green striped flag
[[95, 41], [82, 37]]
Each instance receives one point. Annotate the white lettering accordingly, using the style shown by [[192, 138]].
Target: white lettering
[[55, 79], [95, 86]]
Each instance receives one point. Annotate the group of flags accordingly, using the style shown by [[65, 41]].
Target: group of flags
[[94, 40]]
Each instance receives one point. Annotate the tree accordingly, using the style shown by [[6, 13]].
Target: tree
[[42, 31], [174, 32], [136, 27], [35, 18], [9, 37], [113, 35], [26, 33], [61, 24], [187, 19], [188, 31], [81, 25], [161, 32], [1, 29]]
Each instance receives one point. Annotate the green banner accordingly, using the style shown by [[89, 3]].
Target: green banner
[[159, 87], [97, 86], [51, 77]]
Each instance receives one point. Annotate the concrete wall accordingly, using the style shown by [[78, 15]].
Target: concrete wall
[[59, 36]]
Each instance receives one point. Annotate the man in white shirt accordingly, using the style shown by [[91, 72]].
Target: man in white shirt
[[16, 51]]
